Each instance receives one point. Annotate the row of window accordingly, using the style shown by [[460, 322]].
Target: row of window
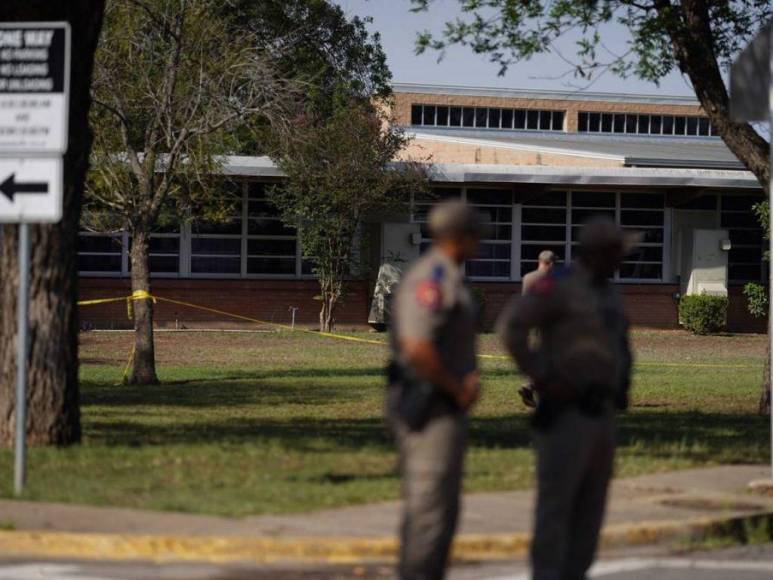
[[252, 241], [544, 120], [551, 221], [486, 118], [638, 124]]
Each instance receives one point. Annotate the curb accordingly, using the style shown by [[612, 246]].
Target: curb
[[351, 550]]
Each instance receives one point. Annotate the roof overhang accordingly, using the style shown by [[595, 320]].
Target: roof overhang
[[594, 176], [263, 167]]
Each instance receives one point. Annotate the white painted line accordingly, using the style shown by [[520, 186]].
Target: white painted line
[[636, 564], [45, 572]]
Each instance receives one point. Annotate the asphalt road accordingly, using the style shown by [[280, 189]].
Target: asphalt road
[[742, 563]]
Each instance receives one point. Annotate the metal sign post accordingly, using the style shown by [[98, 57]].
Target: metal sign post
[[751, 87], [20, 459], [34, 90]]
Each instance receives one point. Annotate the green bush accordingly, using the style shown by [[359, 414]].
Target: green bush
[[703, 314], [756, 299]]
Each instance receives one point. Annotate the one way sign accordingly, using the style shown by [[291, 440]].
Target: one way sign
[[30, 190]]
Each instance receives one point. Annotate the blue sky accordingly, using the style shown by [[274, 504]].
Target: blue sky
[[398, 28]]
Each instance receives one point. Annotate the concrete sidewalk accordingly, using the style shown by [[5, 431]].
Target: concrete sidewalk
[[642, 510]]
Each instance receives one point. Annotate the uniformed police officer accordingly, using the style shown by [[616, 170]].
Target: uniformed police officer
[[434, 382], [581, 369]]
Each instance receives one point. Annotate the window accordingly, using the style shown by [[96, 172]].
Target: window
[[442, 116], [252, 241], [543, 227], [487, 118], [507, 118], [643, 124], [553, 221], [481, 117], [456, 116], [421, 207], [494, 116], [216, 247], [496, 207], [100, 254], [468, 117], [745, 259], [271, 247]]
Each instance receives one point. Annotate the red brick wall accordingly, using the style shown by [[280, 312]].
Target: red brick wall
[[649, 305], [267, 300]]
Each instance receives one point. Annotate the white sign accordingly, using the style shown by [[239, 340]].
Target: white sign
[[30, 190], [34, 87]]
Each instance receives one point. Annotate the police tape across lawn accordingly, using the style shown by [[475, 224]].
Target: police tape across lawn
[[144, 295]]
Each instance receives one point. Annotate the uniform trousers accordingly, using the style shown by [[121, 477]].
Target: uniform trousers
[[431, 465], [575, 456]]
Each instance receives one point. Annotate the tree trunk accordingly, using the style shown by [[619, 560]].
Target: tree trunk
[[53, 403], [329, 303], [143, 363], [692, 40]]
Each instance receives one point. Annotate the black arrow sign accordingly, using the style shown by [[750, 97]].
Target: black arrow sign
[[9, 188]]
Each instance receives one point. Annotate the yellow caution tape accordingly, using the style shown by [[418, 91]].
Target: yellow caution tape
[[144, 295]]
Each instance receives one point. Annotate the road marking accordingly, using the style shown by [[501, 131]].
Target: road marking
[[45, 572], [637, 564]]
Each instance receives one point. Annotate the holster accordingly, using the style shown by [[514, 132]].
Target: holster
[[415, 400], [591, 401]]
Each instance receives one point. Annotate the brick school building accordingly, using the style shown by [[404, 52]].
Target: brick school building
[[536, 164]]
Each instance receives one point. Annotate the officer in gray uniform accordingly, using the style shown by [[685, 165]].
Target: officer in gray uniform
[[433, 383], [581, 369]]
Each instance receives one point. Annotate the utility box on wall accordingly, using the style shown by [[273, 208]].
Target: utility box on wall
[[400, 243], [706, 270]]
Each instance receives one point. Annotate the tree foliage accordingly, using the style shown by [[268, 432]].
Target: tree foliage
[[335, 58], [339, 175], [700, 38], [174, 79]]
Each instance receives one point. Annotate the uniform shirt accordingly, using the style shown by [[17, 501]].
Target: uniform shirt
[[583, 333], [432, 303]]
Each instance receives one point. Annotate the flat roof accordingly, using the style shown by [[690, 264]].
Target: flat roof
[[539, 174], [577, 95], [638, 150]]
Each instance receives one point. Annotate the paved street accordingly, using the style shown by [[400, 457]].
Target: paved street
[[743, 563]]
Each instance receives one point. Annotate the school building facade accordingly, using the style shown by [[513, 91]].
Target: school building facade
[[536, 164]]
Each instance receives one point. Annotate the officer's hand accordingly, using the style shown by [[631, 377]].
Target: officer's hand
[[469, 392]]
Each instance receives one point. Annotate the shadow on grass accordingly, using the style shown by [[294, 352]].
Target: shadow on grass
[[233, 389], [702, 437]]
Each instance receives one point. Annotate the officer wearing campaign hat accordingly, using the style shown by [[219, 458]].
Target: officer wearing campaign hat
[[433, 383], [581, 369]]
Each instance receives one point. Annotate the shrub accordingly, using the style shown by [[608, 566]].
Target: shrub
[[756, 299], [703, 314]]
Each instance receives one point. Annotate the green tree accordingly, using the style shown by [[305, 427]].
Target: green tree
[[340, 173], [53, 402], [700, 38], [335, 58], [173, 81]]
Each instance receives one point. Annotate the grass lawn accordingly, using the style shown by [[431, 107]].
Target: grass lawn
[[273, 422]]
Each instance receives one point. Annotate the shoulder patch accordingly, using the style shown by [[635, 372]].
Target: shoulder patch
[[438, 273], [429, 294]]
